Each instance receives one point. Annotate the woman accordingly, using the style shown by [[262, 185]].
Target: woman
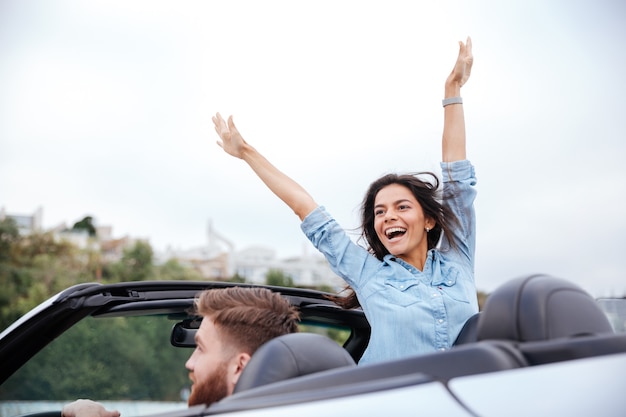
[[415, 282]]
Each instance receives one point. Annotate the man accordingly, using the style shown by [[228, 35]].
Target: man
[[236, 321]]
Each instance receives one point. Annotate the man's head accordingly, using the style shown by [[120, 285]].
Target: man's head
[[236, 321]]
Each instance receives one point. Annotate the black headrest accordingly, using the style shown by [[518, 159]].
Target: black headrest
[[540, 307], [290, 356]]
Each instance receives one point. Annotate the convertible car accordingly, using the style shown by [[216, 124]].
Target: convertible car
[[540, 346]]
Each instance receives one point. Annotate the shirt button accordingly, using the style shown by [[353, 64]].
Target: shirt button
[[442, 349], [401, 286], [449, 282], [440, 320], [434, 294]]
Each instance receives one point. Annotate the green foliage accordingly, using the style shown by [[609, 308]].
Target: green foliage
[[15, 285], [338, 334], [34, 267], [8, 234], [136, 264], [174, 270], [104, 359], [118, 359], [87, 225], [237, 278], [278, 278]]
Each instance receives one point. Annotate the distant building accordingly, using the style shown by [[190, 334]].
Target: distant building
[[111, 248], [26, 223], [218, 260]]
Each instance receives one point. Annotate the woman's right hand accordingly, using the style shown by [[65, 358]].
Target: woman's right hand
[[231, 140]]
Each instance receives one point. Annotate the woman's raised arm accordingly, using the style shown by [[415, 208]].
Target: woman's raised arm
[[453, 140], [292, 193]]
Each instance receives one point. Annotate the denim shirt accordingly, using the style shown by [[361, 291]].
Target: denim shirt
[[410, 311]]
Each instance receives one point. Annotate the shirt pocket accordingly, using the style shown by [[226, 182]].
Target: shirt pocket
[[449, 283], [402, 293]]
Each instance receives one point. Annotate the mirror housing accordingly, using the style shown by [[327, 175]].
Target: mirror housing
[[184, 333]]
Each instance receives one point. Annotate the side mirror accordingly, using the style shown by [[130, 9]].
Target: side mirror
[[184, 333]]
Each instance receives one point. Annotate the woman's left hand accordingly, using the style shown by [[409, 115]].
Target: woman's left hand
[[463, 66]]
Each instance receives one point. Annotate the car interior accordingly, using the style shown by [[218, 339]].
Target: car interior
[[529, 321]]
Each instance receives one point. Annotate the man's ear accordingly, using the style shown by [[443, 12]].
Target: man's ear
[[237, 365]]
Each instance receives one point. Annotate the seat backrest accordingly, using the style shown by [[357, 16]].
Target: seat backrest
[[470, 359], [540, 307], [565, 349], [290, 356], [469, 332]]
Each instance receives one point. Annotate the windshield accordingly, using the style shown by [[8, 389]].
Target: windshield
[[112, 359], [615, 309], [127, 363]]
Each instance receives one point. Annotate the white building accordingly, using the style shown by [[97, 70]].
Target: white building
[[219, 260], [26, 223]]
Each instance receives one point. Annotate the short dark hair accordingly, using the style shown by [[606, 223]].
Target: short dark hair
[[247, 317]]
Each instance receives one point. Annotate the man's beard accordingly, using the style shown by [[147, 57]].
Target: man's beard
[[211, 390]]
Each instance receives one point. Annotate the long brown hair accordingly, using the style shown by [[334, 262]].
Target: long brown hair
[[427, 194]]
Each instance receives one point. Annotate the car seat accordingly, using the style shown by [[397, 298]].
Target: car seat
[[290, 356], [540, 307], [468, 333], [548, 320], [260, 385]]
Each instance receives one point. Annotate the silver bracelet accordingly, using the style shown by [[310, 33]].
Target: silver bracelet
[[451, 100]]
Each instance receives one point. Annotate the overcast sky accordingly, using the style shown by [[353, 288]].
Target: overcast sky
[[105, 110]]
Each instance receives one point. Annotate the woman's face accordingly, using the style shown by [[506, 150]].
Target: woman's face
[[400, 224]]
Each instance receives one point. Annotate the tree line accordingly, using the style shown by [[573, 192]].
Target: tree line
[[35, 266], [121, 358]]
